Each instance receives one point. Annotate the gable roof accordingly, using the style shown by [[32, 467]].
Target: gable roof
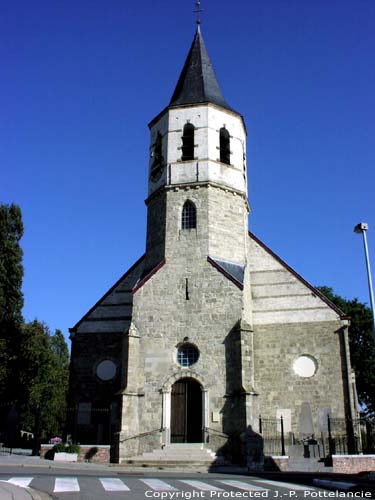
[[118, 283], [314, 290]]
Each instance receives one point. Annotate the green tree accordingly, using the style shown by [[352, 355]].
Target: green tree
[[60, 354], [34, 364], [44, 377], [11, 298], [362, 346]]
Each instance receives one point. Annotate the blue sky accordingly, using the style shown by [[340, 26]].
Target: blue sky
[[81, 80]]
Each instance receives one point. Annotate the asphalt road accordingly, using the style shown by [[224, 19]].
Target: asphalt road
[[101, 485]]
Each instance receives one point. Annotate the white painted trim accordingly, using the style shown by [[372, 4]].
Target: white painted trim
[[167, 416], [205, 408]]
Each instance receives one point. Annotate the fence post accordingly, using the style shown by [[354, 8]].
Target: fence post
[[37, 431], [282, 436], [330, 440], [75, 424], [352, 443], [369, 440], [110, 424], [260, 424]]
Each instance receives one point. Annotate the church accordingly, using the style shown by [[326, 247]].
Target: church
[[209, 329]]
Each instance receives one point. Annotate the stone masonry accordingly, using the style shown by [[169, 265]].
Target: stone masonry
[[209, 329]]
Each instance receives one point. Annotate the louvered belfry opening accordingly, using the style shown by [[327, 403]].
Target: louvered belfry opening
[[188, 142], [158, 156], [224, 146]]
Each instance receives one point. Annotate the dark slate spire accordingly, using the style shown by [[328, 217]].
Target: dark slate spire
[[197, 82]]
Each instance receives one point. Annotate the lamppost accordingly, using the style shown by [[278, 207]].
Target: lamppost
[[362, 228]]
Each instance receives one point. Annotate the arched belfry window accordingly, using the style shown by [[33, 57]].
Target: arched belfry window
[[188, 142], [224, 146], [189, 216], [158, 157]]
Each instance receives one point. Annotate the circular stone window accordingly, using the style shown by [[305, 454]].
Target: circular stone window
[[106, 370], [305, 366], [187, 355]]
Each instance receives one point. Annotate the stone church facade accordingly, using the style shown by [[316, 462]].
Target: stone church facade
[[209, 328]]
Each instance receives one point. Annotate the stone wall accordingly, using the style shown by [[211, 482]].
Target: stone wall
[[99, 336], [156, 229], [353, 464], [99, 454], [280, 389], [221, 230], [85, 385], [276, 463], [164, 317], [279, 294]]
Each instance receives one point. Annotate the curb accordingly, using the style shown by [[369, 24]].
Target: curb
[[12, 491], [334, 485], [345, 486], [38, 495]]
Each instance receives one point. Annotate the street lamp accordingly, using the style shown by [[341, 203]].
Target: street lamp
[[362, 228]]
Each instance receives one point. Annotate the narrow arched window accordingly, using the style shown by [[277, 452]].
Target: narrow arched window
[[188, 142], [189, 216], [158, 157], [224, 146]]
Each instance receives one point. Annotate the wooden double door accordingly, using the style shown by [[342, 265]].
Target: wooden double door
[[186, 412]]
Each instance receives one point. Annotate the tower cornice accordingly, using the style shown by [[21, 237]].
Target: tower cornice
[[196, 105], [197, 185]]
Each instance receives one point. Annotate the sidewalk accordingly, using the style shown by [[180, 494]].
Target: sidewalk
[[22, 460]]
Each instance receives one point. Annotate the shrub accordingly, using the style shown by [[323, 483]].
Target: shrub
[[67, 448], [59, 448], [72, 448]]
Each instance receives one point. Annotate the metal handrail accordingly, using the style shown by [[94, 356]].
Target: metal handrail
[[208, 430], [140, 435]]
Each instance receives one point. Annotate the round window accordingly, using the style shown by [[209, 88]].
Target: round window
[[305, 366], [187, 355], [106, 370]]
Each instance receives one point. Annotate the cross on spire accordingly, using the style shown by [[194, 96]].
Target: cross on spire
[[198, 11]]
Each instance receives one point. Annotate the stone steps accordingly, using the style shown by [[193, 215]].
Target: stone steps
[[174, 455]]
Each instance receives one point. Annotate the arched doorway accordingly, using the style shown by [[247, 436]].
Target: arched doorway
[[186, 411]]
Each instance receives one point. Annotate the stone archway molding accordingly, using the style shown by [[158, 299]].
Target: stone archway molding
[[183, 373], [166, 390]]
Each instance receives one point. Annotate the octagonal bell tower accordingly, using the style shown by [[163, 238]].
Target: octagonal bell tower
[[198, 153]]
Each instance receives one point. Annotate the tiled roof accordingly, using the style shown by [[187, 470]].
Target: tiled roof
[[235, 272]]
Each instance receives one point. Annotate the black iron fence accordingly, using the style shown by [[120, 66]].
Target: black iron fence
[[89, 425], [272, 432], [340, 436], [84, 423]]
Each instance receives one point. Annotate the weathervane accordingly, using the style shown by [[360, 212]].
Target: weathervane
[[198, 10]]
